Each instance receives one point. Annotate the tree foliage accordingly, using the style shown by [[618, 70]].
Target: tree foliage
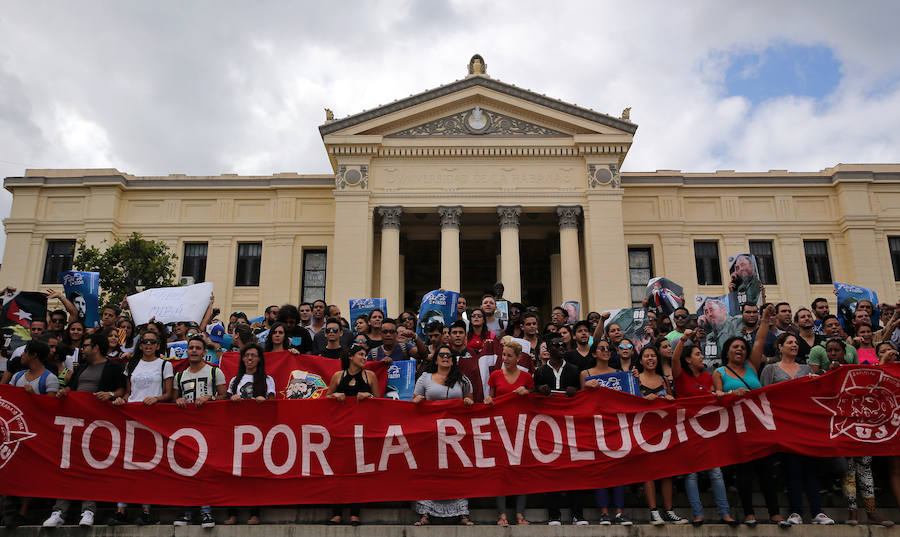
[[124, 265]]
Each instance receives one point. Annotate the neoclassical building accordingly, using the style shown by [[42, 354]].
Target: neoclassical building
[[461, 186]]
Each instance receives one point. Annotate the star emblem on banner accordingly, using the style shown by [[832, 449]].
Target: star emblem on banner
[[13, 429], [866, 408]]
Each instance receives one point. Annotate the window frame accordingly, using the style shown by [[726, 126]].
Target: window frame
[[715, 266], [812, 267], [249, 263], [895, 255], [763, 277], [304, 289], [631, 284], [195, 261], [50, 277]]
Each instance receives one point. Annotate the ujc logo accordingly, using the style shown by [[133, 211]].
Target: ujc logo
[[13, 430], [867, 408]]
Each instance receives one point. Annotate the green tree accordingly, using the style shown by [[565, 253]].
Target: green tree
[[124, 265]]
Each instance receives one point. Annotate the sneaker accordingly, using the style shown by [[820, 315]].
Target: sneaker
[[655, 519], [554, 523], [87, 519], [144, 519], [670, 516], [55, 520], [117, 519], [182, 521], [579, 521], [207, 521], [604, 519], [14, 521], [823, 519], [797, 519], [622, 520]]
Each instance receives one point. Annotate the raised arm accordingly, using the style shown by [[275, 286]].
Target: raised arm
[[67, 304], [598, 332], [679, 350], [762, 333]]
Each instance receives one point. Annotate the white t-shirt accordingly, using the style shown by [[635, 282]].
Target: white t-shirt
[[245, 387], [147, 379], [193, 386]]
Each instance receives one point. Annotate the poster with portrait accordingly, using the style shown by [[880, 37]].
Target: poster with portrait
[[573, 308], [848, 296], [437, 305], [635, 326], [401, 380], [502, 310], [744, 274], [623, 381], [83, 290], [664, 295], [717, 323], [365, 306]]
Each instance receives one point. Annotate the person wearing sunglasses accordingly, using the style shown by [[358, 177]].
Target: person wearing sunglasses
[[478, 333], [443, 380], [334, 334], [625, 352], [355, 381], [680, 317], [390, 349], [149, 380]]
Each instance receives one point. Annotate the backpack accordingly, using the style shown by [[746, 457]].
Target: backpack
[[42, 382]]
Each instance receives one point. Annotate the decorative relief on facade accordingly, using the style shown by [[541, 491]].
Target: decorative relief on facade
[[450, 216], [390, 217], [477, 121], [599, 175], [509, 216], [352, 176], [568, 216]]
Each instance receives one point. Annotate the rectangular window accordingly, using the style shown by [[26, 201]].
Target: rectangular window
[[818, 268], [640, 270], [894, 245], [706, 255], [194, 264], [765, 261], [248, 263], [59, 259], [314, 263]]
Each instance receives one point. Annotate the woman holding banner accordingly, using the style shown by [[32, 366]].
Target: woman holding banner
[[149, 380], [510, 379], [354, 380], [691, 380], [443, 380]]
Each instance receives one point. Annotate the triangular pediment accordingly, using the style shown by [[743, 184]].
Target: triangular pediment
[[477, 121], [450, 111]]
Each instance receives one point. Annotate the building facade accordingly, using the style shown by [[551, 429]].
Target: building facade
[[470, 183]]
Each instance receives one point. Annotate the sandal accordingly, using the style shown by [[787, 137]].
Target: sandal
[[335, 520], [231, 521], [521, 520], [253, 521], [464, 521], [424, 521], [501, 520]]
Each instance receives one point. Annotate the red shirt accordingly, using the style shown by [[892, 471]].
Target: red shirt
[[475, 343], [498, 381], [688, 386]]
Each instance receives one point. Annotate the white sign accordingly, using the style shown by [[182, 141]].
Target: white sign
[[171, 304]]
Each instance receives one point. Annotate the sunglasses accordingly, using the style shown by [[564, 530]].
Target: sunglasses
[[445, 355], [681, 316], [626, 346], [404, 319], [331, 330], [477, 315], [149, 342], [604, 349], [388, 331]]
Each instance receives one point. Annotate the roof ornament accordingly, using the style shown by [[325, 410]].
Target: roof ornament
[[329, 115], [626, 114], [477, 66]]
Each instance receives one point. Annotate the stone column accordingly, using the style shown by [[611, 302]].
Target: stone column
[[450, 247], [390, 256], [570, 264], [509, 252]]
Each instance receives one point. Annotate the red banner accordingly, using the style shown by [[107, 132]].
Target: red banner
[[324, 451]]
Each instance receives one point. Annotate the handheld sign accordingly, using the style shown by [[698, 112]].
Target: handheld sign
[[171, 304]]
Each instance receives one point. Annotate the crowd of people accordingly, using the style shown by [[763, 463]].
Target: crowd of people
[[122, 363]]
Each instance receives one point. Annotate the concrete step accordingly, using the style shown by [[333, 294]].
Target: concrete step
[[297, 530]]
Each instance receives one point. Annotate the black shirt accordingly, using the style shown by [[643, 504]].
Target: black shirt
[[569, 376], [332, 353], [581, 362]]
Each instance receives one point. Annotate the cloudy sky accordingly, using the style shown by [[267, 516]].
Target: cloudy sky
[[239, 87]]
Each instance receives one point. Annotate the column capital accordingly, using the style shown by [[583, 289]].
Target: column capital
[[509, 216], [450, 216], [390, 216], [568, 216]]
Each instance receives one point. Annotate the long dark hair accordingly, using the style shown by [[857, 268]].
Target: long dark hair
[[260, 388], [723, 352], [67, 338], [131, 342], [686, 350], [347, 353], [640, 366], [138, 353], [484, 328], [270, 345], [453, 376]]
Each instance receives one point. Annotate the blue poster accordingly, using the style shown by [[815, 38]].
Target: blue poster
[[365, 306], [259, 319], [436, 305], [848, 296], [83, 290], [401, 380], [624, 381], [178, 350]]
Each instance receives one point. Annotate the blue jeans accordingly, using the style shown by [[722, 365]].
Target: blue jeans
[[718, 489], [189, 511]]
